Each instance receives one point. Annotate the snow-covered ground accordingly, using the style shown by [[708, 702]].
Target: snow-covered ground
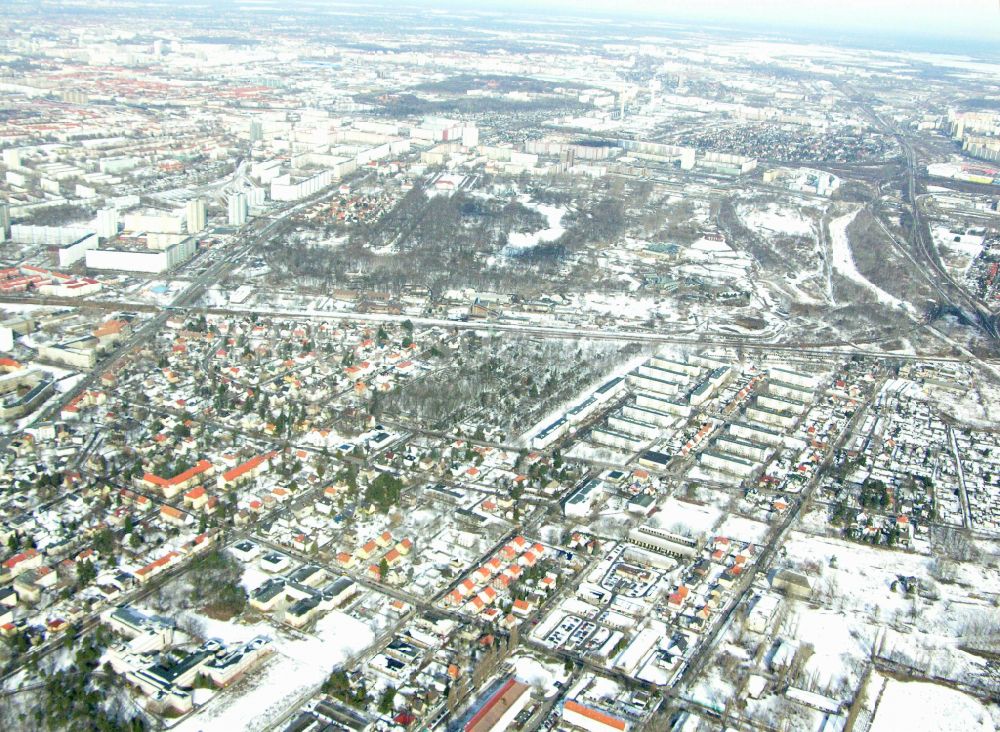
[[715, 260], [958, 250], [296, 666], [625, 306], [686, 517], [862, 611], [743, 529], [843, 260], [541, 675], [554, 229], [921, 707], [776, 219]]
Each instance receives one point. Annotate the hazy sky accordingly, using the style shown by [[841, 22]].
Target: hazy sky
[[979, 19]]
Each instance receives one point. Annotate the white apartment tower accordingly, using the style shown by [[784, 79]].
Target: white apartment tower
[[107, 223], [238, 209], [197, 219], [4, 221]]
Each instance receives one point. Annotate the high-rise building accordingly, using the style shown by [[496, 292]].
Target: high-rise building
[[196, 216], [12, 157], [107, 223], [238, 209], [470, 136], [255, 196], [256, 130], [5, 220]]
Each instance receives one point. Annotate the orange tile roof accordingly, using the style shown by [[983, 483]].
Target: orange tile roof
[[595, 715], [251, 464], [201, 467]]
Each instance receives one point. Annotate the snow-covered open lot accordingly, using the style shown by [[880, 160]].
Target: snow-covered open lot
[[920, 707], [865, 610], [776, 219], [297, 666]]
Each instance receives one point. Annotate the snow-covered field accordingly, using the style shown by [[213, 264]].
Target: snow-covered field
[[688, 517], [743, 529], [541, 675], [626, 306], [296, 666], [838, 643], [920, 707], [776, 219], [715, 260], [861, 610]]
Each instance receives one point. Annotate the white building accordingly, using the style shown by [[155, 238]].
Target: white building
[[796, 378], [155, 221], [284, 188], [548, 435], [197, 218], [660, 403], [743, 448], [141, 260], [648, 416], [470, 136], [107, 223], [727, 463], [781, 405], [763, 613], [238, 209], [770, 417], [76, 250], [651, 384], [581, 500]]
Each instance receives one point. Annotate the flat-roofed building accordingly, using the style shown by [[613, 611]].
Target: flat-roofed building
[[663, 542], [727, 463]]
